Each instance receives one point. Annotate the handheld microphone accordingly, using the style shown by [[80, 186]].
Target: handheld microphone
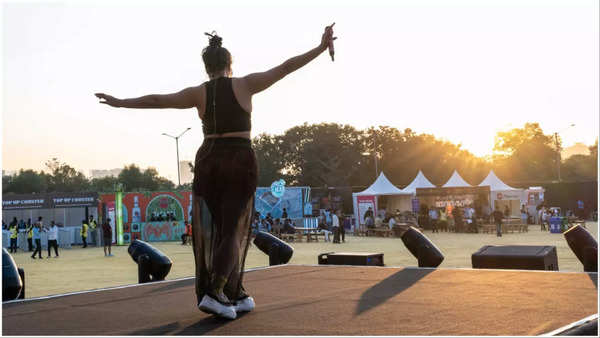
[[331, 50]]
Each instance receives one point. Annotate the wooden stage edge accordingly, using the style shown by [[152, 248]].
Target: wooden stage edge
[[328, 300]]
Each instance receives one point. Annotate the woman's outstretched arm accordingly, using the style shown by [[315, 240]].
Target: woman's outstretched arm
[[187, 98], [257, 82]]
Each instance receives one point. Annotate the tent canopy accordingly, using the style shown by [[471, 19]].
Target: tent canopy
[[419, 182], [381, 186], [456, 181], [495, 183]]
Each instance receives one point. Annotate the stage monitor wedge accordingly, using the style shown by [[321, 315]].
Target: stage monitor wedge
[[351, 258], [520, 257]]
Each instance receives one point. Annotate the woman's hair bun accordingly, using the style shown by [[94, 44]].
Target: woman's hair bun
[[215, 41]]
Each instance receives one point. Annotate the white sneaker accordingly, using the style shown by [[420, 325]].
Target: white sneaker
[[244, 305], [211, 305]]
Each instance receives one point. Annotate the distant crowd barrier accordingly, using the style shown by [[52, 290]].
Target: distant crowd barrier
[[71, 235]]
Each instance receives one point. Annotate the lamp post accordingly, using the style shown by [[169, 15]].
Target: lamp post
[[177, 146], [558, 149], [375, 155]]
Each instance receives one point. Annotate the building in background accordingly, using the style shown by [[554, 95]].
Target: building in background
[[8, 172], [185, 171], [99, 173]]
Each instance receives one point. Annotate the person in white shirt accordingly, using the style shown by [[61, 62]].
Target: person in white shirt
[[335, 224], [53, 239], [392, 222]]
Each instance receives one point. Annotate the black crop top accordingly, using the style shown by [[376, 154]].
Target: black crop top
[[230, 116]]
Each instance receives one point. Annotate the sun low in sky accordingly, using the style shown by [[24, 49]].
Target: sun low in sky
[[460, 70]]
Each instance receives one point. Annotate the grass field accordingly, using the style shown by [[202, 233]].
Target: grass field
[[80, 269]]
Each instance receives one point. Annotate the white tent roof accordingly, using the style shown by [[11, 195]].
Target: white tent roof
[[382, 186], [495, 183], [419, 182], [456, 181]]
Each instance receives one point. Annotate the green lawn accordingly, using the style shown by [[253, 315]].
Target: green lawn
[[85, 269]]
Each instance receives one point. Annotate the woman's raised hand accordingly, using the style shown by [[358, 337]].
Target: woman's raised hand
[[327, 37], [109, 100]]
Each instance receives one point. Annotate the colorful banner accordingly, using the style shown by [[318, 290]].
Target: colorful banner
[[291, 200], [162, 231], [49, 201], [110, 210], [364, 203], [119, 214]]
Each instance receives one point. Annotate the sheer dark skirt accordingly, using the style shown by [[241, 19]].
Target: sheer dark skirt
[[225, 177]]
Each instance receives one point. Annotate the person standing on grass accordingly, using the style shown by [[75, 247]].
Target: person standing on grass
[[53, 239], [498, 215], [187, 235], [335, 225], [84, 233], [37, 238], [343, 226], [29, 232], [433, 219], [107, 237], [93, 231], [14, 233]]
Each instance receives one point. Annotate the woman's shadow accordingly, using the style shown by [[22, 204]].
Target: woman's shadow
[[390, 287]]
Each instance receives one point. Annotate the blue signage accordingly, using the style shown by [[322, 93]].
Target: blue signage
[[278, 188]]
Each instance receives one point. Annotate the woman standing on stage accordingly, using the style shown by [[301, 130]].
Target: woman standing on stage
[[225, 171]]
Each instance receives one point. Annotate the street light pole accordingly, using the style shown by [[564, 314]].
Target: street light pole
[[376, 171], [558, 157], [374, 155], [177, 146]]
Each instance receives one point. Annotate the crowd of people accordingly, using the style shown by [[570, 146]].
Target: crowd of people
[[162, 216], [329, 223], [34, 232]]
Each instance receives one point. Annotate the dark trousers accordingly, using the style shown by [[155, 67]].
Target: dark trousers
[[336, 234], [38, 248], [225, 179], [53, 243], [499, 229], [84, 239], [13, 245], [30, 244], [433, 223], [342, 233]]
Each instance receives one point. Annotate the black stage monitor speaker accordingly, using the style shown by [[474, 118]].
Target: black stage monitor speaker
[[351, 258], [279, 251], [585, 247], [11, 279], [153, 265], [427, 254], [521, 257]]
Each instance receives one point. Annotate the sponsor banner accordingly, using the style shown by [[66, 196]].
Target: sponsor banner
[[364, 203], [49, 201]]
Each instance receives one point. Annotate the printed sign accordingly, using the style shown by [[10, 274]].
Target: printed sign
[[49, 201], [278, 188]]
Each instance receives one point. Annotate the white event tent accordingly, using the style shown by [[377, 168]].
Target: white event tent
[[504, 195], [419, 182], [456, 181], [396, 198]]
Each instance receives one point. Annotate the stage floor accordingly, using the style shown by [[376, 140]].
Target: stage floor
[[327, 300]]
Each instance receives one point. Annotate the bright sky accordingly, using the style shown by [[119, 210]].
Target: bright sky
[[460, 70]]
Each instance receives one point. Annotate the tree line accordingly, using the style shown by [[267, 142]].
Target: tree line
[[61, 177], [341, 155], [330, 154]]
